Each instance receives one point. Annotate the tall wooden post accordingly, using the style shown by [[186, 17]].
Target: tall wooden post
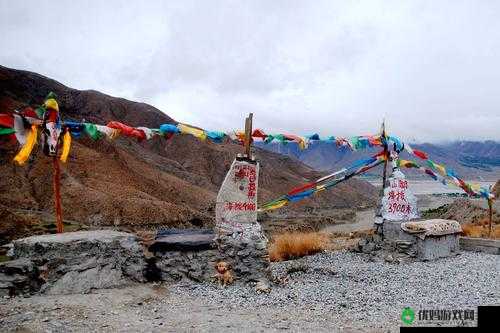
[[57, 193], [386, 154], [248, 134], [379, 221]]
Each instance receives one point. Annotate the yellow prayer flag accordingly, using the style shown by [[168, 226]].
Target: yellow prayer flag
[[66, 146], [25, 152], [185, 129]]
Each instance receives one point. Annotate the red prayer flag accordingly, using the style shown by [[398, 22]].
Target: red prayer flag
[[6, 120], [420, 154], [258, 133], [301, 188]]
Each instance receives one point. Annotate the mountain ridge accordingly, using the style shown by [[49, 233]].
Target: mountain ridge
[[477, 160], [123, 182]]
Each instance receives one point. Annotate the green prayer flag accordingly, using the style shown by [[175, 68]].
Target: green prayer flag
[[40, 111], [92, 131], [269, 138], [280, 138], [6, 131]]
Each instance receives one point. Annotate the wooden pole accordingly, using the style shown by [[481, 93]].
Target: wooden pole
[[248, 134], [378, 215], [57, 193], [386, 154]]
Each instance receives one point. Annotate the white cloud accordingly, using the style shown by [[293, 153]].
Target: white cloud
[[429, 68]]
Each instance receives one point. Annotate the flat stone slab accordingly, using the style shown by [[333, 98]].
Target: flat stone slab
[[183, 240], [105, 236], [435, 227]]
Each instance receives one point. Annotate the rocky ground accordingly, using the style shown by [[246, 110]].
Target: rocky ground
[[327, 292]]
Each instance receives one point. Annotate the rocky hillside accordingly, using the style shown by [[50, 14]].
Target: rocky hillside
[[465, 211], [159, 182]]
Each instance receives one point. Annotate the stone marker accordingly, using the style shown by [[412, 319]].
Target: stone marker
[[236, 206], [240, 238], [425, 240], [399, 203]]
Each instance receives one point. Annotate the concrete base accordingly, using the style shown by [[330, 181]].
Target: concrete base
[[392, 231], [429, 248], [432, 248]]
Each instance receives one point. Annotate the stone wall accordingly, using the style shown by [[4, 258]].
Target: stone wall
[[249, 259], [74, 262], [182, 254], [194, 265], [78, 262], [193, 254], [19, 277]]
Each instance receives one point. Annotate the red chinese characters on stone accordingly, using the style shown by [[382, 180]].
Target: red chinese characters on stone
[[400, 183], [394, 207], [397, 195], [251, 183], [397, 201], [240, 206], [248, 172]]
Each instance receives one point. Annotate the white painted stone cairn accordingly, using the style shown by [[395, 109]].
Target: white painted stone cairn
[[399, 212], [240, 238], [236, 206], [399, 203]]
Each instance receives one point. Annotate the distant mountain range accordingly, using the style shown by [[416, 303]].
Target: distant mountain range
[[469, 159]]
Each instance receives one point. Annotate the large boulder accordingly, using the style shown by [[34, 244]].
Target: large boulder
[[78, 262]]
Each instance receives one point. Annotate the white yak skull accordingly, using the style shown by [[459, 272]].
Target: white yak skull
[[52, 133]]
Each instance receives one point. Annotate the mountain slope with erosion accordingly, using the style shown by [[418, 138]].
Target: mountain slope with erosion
[[128, 183]]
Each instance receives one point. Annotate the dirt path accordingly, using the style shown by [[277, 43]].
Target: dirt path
[[146, 308]]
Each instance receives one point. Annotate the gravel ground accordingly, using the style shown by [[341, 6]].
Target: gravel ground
[[334, 291]]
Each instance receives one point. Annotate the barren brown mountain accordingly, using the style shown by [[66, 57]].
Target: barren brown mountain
[[123, 182]]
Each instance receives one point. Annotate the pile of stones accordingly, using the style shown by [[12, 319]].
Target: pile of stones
[[74, 262]]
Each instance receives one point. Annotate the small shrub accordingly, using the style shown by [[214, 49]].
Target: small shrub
[[291, 245]]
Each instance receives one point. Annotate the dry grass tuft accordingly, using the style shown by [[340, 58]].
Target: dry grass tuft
[[292, 245], [480, 231]]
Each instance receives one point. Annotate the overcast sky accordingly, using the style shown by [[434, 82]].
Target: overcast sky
[[431, 68]]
